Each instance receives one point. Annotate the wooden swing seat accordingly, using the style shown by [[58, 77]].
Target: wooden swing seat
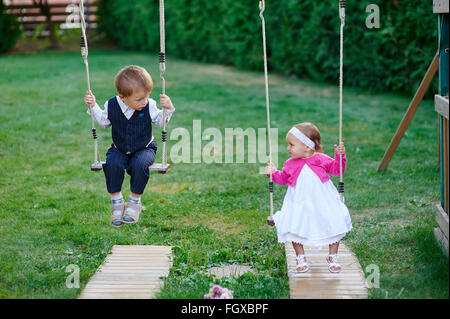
[[159, 167]]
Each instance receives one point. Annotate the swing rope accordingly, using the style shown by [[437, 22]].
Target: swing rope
[[341, 81], [97, 165], [262, 8], [162, 69]]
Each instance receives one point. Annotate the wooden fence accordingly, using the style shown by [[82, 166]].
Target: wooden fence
[[47, 14]]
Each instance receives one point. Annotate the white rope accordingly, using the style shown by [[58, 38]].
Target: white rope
[[341, 81], [84, 54], [162, 69], [262, 8]]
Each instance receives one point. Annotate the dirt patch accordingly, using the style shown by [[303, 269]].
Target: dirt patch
[[173, 188], [230, 270]]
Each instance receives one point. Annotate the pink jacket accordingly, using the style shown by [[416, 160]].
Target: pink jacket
[[319, 163]]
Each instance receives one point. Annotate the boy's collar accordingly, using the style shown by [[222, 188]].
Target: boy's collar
[[124, 106]]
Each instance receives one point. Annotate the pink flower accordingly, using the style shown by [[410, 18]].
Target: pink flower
[[217, 289], [217, 292]]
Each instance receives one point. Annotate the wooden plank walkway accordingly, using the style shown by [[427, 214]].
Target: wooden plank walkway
[[130, 272], [318, 282]]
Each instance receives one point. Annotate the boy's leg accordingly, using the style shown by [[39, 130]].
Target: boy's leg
[[139, 172], [138, 169], [114, 170], [114, 173], [117, 209]]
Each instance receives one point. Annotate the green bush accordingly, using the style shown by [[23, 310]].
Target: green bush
[[303, 37], [9, 29]]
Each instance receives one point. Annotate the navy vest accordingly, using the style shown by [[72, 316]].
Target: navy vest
[[130, 135]]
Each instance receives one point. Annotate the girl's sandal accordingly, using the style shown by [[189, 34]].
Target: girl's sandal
[[132, 212], [333, 262], [116, 220], [301, 263]]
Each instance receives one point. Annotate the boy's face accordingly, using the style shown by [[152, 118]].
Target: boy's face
[[138, 100], [297, 149]]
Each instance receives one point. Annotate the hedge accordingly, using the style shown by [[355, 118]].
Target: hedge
[[303, 37], [9, 29]]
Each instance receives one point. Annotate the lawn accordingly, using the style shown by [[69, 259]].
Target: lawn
[[55, 211]]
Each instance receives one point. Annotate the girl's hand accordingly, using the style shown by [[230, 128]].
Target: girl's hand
[[339, 149], [270, 168], [165, 102], [89, 98]]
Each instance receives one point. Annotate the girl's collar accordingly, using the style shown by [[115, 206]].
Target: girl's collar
[[305, 158]]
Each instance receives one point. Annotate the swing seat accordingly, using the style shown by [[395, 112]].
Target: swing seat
[[97, 166], [160, 167]]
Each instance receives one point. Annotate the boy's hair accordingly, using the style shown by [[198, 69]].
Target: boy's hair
[[312, 132], [131, 78]]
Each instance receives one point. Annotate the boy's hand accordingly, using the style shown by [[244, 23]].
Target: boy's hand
[[339, 149], [89, 98], [165, 102], [270, 168]]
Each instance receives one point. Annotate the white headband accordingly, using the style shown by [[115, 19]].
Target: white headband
[[302, 137]]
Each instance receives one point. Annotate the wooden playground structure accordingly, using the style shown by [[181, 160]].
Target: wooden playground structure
[[439, 64]]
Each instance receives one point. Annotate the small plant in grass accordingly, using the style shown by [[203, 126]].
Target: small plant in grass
[[217, 292]]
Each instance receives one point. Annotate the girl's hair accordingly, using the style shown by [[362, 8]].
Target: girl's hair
[[312, 132], [133, 77]]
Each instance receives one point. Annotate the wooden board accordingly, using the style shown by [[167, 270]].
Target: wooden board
[[440, 6], [441, 239], [446, 164], [130, 272], [442, 220], [441, 105], [412, 108], [319, 283]]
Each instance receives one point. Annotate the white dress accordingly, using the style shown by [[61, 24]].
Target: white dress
[[312, 213]]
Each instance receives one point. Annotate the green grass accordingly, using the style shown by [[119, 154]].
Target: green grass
[[55, 211]]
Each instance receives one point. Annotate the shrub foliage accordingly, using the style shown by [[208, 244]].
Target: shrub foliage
[[303, 37], [9, 29]]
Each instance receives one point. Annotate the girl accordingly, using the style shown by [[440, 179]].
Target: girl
[[312, 213]]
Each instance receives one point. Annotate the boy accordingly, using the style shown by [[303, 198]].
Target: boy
[[131, 115]]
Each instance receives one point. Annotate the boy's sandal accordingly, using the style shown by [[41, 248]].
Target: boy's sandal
[[333, 262], [301, 262], [132, 216], [116, 220]]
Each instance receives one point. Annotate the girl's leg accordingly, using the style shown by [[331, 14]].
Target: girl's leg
[[333, 250], [299, 251]]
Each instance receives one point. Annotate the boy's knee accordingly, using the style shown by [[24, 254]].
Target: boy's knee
[[114, 165], [139, 166]]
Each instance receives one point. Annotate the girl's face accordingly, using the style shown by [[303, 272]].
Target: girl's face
[[138, 100], [297, 149]]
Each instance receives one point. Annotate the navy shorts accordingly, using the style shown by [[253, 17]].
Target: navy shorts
[[136, 164]]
